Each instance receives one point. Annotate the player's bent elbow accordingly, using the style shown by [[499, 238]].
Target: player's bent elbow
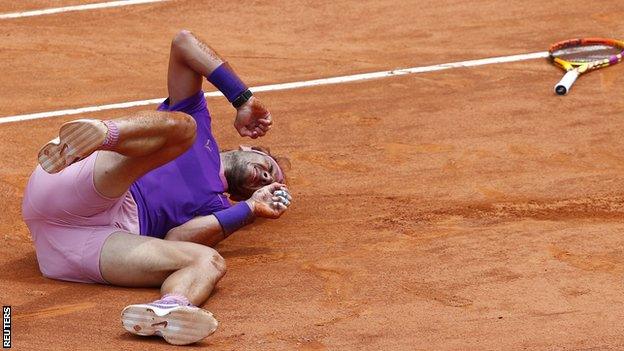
[[182, 39], [174, 234]]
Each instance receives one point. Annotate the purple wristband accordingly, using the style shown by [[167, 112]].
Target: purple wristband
[[227, 82], [235, 217]]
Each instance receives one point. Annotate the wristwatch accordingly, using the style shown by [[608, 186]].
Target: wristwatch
[[242, 98]]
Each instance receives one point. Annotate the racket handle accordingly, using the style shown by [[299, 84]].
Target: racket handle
[[566, 82]]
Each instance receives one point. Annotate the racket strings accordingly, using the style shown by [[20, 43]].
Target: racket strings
[[588, 53]]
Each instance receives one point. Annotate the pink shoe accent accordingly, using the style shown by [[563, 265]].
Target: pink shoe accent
[[112, 135], [174, 298]]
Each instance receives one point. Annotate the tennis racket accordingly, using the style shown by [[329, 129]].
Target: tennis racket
[[578, 56]]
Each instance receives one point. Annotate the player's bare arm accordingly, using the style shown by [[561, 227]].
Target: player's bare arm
[[268, 202], [190, 60]]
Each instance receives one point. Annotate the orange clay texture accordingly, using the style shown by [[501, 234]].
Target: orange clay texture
[[467, 209]]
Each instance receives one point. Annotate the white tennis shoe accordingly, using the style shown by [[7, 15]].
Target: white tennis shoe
[[77, 140], [177, 324]]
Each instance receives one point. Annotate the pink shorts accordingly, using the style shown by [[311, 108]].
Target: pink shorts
[[69, 221]]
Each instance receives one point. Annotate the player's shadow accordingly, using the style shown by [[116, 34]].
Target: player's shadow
[[23, 269], [244, 252], [140, 342]]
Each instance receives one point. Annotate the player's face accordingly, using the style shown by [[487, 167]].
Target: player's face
[[260, 171], [250, 172]]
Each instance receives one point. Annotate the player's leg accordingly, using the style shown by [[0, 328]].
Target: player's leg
[[146, 141], [178, 267], [137, 144], [186, 272]]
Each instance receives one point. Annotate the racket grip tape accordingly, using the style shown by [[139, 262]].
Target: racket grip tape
[[566, 82]]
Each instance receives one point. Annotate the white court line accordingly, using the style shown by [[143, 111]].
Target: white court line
[[293, 85], [99, 5]]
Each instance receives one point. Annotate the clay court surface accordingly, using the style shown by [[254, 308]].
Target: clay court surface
[[465, 209]]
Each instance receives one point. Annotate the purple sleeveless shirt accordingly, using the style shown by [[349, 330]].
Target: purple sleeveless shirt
[[186, 187]]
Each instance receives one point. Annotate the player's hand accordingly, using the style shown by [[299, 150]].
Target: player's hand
[[270, 201], [253, 119]]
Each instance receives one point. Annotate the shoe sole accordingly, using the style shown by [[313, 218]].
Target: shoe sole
[[180, 325], [77, 140]]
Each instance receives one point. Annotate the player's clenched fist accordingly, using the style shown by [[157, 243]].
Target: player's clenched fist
[[253, 119], [270, 201]]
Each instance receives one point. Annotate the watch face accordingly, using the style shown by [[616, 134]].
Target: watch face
[[242, 98]]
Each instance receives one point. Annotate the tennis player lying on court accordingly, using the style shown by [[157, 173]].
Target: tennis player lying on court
[[137, 201]]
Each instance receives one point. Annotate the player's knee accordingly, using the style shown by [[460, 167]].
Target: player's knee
[[183, 126], [212, 261], [219, 263]]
